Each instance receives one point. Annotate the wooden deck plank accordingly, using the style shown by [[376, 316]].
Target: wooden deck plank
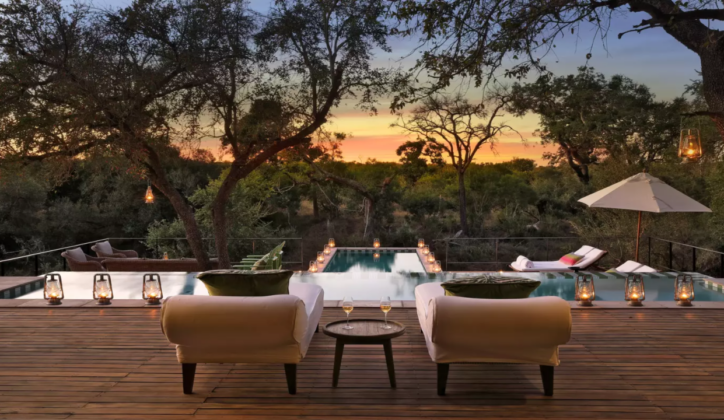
[[114, 363]]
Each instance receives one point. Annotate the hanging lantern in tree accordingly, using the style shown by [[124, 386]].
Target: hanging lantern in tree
[[152, 292], [690, 144], [684, 290], [102, 289], [585, 290], [53, 289], [634, 290], [149, 198]]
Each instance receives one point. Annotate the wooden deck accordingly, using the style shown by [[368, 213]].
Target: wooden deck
[[113, 363]]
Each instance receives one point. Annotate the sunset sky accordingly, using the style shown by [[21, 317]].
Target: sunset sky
[[652, 58]]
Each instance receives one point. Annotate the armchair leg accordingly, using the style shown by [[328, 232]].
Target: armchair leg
[[442, 370], [291, 371], [188, 371], [546, 373]]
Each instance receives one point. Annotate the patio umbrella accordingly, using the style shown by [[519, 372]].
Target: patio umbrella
[[643, 192]]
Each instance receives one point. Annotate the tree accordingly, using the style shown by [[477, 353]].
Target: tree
[[475, 38], [450, 126], [414, 157], [589, 118], [126, 81]]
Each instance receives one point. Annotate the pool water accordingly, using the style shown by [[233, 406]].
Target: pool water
[[363, 260], [371, 285]]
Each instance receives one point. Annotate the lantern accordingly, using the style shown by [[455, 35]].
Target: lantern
[[690, 144], [165, 255], [420, 243], [684, 290], [376, 243], [320, 256], [425, 250], [585, 290], [53, 289], [437, 267], [102, 289], [431, 257], [152, 292], [327, 249], [331, 243], [634, 289], [149, 198], [313, 267], [376, 256]]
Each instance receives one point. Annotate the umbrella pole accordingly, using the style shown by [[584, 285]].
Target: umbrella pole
[[638, 238]]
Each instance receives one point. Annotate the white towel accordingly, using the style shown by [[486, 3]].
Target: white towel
[[520, 257], [525, 262]]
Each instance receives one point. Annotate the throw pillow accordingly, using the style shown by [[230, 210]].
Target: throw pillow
[[76, 254], [246, 283], [570, 259], [104, 247], [491, 287]]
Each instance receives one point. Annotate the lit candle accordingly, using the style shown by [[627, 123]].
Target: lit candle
[[331, 243], [327, 249], [376, 243], [420, 243], [320, 256]]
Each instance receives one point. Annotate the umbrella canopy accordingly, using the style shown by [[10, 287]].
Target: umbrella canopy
[[643, 192]]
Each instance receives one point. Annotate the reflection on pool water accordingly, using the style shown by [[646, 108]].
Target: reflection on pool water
[[366, 285], [363, 260]]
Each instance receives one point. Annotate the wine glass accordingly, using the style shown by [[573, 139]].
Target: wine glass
[[347, 307], [386, 305]]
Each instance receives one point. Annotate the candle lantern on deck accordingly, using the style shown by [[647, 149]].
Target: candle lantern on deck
[[684, 290], [327, 249], [431, 257], [585, 290], [53, 289], [320, 256], [102, 289], [152, 290], [425, 250], [690, 144], [376, 243], [331, 243], [437, 267], [420, 243], [313, 267], [634, 290]]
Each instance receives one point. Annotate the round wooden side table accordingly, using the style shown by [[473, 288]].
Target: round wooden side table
[[364, 331]]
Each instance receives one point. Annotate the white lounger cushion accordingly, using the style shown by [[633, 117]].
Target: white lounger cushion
[[590, 256], [628, 267], [461, 329], [645, 269], [230, 329]]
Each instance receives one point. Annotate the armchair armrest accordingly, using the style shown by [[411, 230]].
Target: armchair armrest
[[128, 253]]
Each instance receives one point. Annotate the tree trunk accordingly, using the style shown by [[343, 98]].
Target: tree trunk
[[462, 202], [218, 214], [370, 222], [574, 161], [712, 73], [315, 202]]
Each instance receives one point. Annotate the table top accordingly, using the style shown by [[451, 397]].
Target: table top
[[364, 329]]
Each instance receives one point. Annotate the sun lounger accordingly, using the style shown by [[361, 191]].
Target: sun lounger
[[590, 256], [634, 267]]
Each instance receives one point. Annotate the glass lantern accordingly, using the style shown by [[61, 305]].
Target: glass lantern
[[634, 290], [431, 257], [425, 250], [376, 243], [437, 267], [320, 256], [585, 290], [102, 289], [53, 289], [331, 243], [152, 292], [684, 290], [690, 144], [149, 198], [327, 249], [420, 243], [165, 255], [313, 267]]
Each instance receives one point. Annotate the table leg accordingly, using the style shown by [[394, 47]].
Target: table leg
[[339, 349], [390, 362]]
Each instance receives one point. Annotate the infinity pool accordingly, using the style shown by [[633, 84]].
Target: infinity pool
[[364, 261], [371, 285]]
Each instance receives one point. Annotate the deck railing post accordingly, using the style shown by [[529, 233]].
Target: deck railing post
[[496, 250], [721, 265], [546, 249], [447, 252], [2, 269], [693, 260], [37, 270], [671, 255]]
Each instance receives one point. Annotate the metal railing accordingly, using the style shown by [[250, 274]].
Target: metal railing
[[669, 255], [50, 260]]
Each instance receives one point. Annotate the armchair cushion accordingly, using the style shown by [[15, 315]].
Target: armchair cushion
[[76, 254], [490, 287], [103, 247], [246, 283]]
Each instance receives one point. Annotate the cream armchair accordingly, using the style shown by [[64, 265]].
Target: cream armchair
[[466, 330], [225, 329]]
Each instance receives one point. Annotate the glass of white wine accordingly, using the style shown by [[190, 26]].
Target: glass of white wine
[[386, 306], [347, 307]]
